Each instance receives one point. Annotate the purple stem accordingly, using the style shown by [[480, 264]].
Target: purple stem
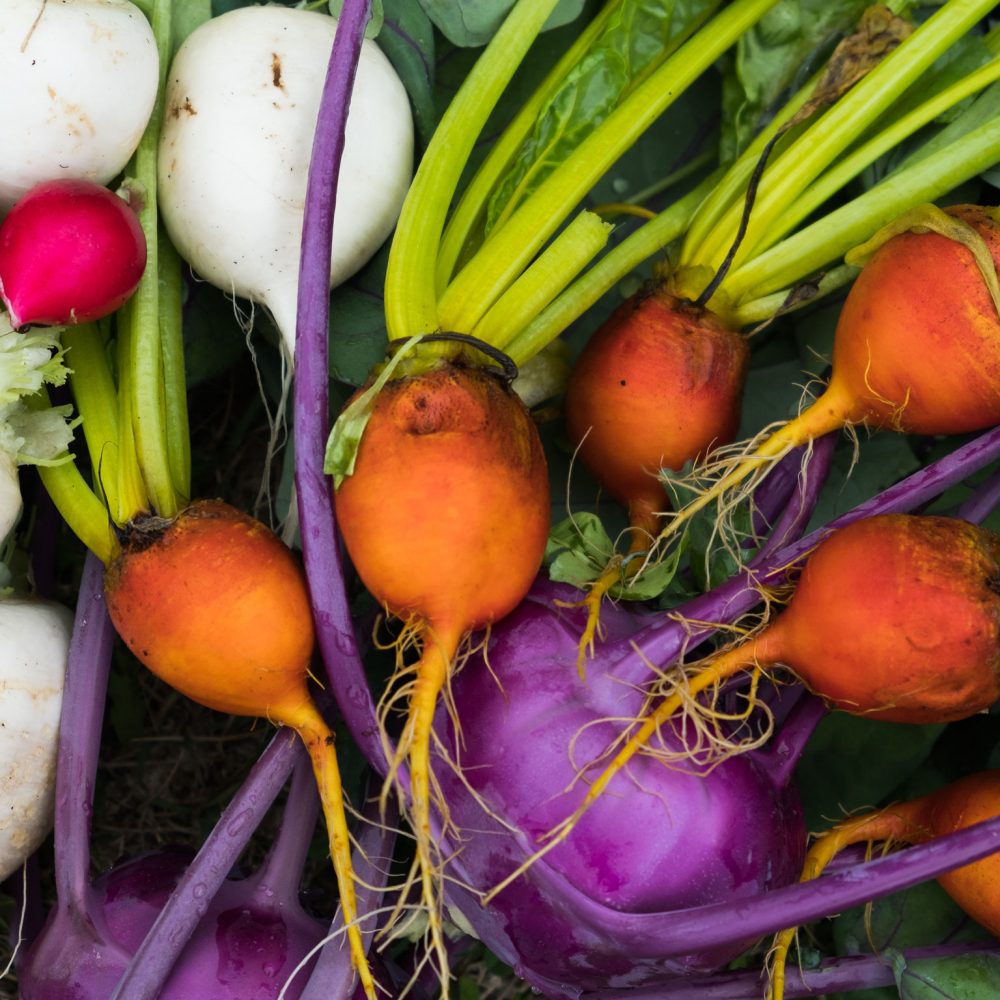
[[773, 497], [812, 476], [684, 932], [736, 596], [152, 963], [861, 972], [663, 640], [321, 554], [80, 727], [334, 975], [982, 502], [786, 746], [281, 872]]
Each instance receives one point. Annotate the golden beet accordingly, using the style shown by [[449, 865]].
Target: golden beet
[[447, 512], [898, 617], [215, 605], [658, 385]]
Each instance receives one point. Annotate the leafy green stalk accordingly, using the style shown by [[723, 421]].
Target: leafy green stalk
[[767, 307], [410, 284], [640, 36], [507, 253], [565, 257], [731, 189], [848, 168], [805, 159], [174, 383], [96, 402], [471, 207], [148, 407], [649, 239], [835, 234], [79, 506], [130, 487]]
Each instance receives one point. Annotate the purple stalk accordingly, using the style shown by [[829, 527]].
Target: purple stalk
[[663, 640], [686, 931], [321, 555], [812, 476], [334, 975], [84, 692], [153, 961], [982, 502], [860, 972], [737, 595], [281, 872], [80, 738]]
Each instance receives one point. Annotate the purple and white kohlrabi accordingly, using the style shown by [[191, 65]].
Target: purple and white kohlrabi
[[664, 837]]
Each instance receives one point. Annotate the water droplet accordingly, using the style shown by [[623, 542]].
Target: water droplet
[[357, 695], [619, 185], [238, 823], [198, 890]]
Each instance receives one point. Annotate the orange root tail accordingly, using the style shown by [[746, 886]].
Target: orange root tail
[[899, 822], [319, 741]]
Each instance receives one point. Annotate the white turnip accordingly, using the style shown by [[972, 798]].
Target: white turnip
[[84, 73], [242, 100], [34, 645]]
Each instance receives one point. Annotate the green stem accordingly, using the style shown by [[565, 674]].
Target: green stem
[[564, 258], [802, 162], [507, 253], [145, 362], [410, 287], [93, 388], [76, 502], [649, 239], [831, 237], [131, 487], [174, 384], [767, 307], [848, 168], [472, 205], [731, 189]]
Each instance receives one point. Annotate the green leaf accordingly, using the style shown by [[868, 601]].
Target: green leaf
[[969, 977], [775, 58], [656, 578], [635, 40], [474, 22], [921, 916], [853, 763], [374, 25], [578, 550], [407, 38]]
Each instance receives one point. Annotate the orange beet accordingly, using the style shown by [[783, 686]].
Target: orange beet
[[445, 517], [215, 586], [974, 887], [216, 605], [447, 512], [917, 350], [918, 341], [898, 617], [658, 385]]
